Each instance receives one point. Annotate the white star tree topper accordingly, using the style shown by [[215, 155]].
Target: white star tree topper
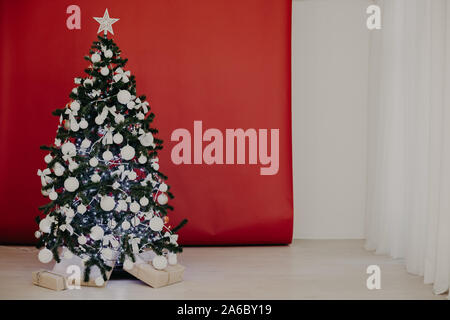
[[105, 23]]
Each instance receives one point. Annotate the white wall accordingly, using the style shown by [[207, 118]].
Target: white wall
[[330, 78]]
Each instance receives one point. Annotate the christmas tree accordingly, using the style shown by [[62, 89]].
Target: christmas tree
[[108, 198]]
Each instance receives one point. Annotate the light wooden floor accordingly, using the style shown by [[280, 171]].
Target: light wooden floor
[[307, 269]]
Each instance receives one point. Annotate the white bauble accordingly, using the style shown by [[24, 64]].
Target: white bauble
[[83, 124], [155, 166], [162, 199], [122, 205], [108, 54], [132, 175], [156, 224], [126, 225], [82, 240], [37, 234], [53, 195], [68, 255], [75, 90], [71, 184], [115, 185], [69, 212], [73, 166], [159, 262], [48, 158], [119, 118], [68, 148], [104, 71], [99, 120], [128, 264], [59, 169], [81, 209], [74, 126], [118, 138], [127, 152], [146, 139], [124, 96], [86, 143], [107, 254], [134, 207], [96, 58], [97, 233], [172, 257], [107, 155], [93, 162], [45, 255], [95, 178], [45, 192], [142, 159], [99, 281], [144, 201], [107, 203], [163, 187], [130, 105], [135, 221], [75, 106], [45, 225]]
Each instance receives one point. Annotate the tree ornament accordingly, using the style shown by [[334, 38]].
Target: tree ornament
[[48, 158], [53, 195], [118, 138], [144, 201], [69, 212], [127, 152], [156, 224], [81, 208], [107, 155], [119, 119], [172, 258], [99, 120], [95, 178], [95, 58], [159, 262], [99, 281], [134, 207], [142, 159], [126, 225], [88, 83], [155, 166], [163, 187], [135, 221], [67, 124], [162, 199], [107, 254], [45, 255], [75, 106], [45, 225], [146, 139], [82, 240], [108, 54], [97, 233], [132, 175], [93, 162], [71, 184], [123, 96], [73, 166], [58, 169], [83, 124], [104, 71], [68, 149], [37, 234], [45, 192], [86, 143], [130, 105], [107, 203]]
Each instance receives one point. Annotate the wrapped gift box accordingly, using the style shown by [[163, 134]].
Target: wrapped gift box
[[49, 280]]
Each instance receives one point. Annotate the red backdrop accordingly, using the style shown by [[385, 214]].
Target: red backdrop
[[225, 62]]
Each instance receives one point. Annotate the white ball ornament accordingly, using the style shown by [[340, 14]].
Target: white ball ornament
[[126, 225], [134, 207], [135, 221], [69, 213], [53, 195], [127, 152], [155, 166], [163, 187], [146, 139], [71, 184], [107, 254], [144, 201], [130, 104], [107, 155], [82, 240], [156, 224], [58, 169], [37, 234], [108, 54], [123, 96], [132, 175], [45, 255], [96, 58], [118, 138], [48, 158], [119, 118], [172, 257], [93, 162], [107, 203], [97, 233], [68, 148], [128, 264], [104, 71], [142, 159], [95, 178], [159, 262], [75, 106], [86, 143], [99, 281], [81, 209], [74, 126], [99, 120], [44, 225], [162, 199], [83, 124]]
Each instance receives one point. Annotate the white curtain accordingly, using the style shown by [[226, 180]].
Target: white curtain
[[408, 200]]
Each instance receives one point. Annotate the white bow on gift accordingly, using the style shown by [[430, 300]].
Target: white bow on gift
[[121, 75], [44, 176]]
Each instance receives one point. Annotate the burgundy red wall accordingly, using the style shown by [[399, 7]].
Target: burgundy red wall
[[224, 62]]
